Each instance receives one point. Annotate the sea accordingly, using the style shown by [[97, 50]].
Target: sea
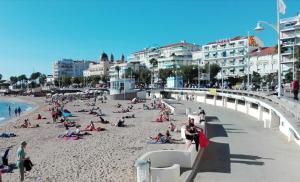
[[4, 104]]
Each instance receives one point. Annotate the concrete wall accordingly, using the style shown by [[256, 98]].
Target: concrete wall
[[261, 110]]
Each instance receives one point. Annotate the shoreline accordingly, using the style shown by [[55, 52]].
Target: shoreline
[[23, 99]]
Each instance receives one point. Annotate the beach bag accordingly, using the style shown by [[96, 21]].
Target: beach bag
[[28, 165], [203, 140]]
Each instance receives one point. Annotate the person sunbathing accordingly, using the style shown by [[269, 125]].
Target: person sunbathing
[[129, 116], [83, 110], [79, 133], [103, 121], [173, 127], [120, 123], [160, 118], [39, 117], [91, 127]]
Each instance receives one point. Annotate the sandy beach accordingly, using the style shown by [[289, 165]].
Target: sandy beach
[[103, 156]]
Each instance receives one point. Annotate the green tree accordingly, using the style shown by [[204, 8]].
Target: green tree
[[13, 80], [96, 79], [165, 73], [42, 79], [1, 76], [23, 80], [289, 76], [213, 69], [256, 78], [188, 72], [154, 64], [145, 76], [66, 81]]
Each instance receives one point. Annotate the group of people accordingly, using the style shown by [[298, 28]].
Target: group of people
[[164, 114], [18, 111]]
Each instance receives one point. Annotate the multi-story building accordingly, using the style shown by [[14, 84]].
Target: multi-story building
[[231, 54], [290, 38], [263, 60], [97, 69], [166, 56], [69, 68]]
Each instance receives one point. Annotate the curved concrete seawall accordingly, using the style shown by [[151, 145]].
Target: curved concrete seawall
[[270, 112]]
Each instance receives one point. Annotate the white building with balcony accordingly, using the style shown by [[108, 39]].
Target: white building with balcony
[[231, 54], [69, 68], [290, 38], [173, 54], [123, 67], [264, 60]]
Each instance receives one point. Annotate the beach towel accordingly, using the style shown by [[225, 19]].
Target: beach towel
[[65, 114], [203, 140], [7, 135]]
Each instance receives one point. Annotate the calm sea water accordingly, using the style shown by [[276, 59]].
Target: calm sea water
[[4, 114]]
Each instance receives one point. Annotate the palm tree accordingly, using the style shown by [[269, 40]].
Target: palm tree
[[1, 76], [117, 68], [22, 79], [153, 62], [13, 80]]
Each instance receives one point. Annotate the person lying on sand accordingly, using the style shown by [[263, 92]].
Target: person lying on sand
[[129, 116], [103, 121], [27, 124], [83, 110], [122, 111], [118, 105], [120, 123], [167, 138], [91, 127]]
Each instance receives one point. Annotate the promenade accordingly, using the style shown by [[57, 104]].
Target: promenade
[[241, 149]]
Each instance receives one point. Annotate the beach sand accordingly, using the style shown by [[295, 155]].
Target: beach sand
[[103, 156]]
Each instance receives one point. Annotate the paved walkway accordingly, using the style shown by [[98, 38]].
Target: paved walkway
[[242, 150]]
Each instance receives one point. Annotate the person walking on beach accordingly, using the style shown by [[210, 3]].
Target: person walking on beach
[[19, 111], [16, 112], [9, 111], [295, 88], [21, 157]]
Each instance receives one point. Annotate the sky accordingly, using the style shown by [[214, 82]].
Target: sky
[[34, 33]]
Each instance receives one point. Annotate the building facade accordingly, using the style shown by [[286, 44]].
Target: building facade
[[97, 69], [264, 61], [231, 54], [69, 68], [166, 56], [290, 39]]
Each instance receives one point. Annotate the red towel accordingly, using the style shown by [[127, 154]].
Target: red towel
[[203, 140]]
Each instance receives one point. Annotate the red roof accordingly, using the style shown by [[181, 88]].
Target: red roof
[[264, 51], [228, 40], [169, 45]]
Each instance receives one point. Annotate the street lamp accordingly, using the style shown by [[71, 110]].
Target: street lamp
[[259, 28]]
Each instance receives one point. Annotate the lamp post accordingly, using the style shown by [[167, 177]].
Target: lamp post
[[248, 64], [259, 28]]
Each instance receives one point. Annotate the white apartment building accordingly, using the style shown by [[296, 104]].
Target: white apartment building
[[263, 60], [290, 38], [167, 56], [97, 69], [231, 54], [69, 68]]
